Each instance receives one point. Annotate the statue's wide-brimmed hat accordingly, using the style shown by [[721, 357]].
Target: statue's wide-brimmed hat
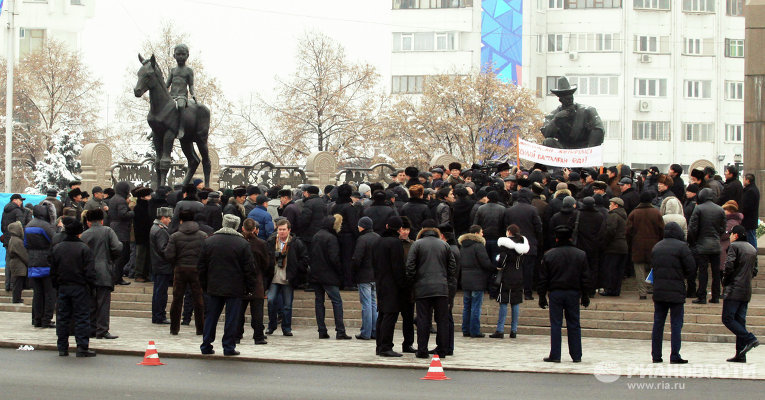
[[564, 87]]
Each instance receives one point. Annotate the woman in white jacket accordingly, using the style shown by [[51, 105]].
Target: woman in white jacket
[[511, 250]]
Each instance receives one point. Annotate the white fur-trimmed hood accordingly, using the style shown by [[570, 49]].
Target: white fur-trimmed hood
[[520, 248]]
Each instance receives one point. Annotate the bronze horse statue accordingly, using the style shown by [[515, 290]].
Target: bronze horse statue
[[164, 118]]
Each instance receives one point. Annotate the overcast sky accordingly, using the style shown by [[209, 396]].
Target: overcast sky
[[243, 43]]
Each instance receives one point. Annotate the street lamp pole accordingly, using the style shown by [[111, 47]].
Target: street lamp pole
[[10, 60]]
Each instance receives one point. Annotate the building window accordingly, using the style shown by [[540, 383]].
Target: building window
[[698, 89], [650, 130], [425, 41], [734, 48], [404, 84], [555, 43], [540, 44], [596, 85], [650, 4], [552, 83], [414, 4], [702, 6], [648, 44], [734, 90], [698, 132], [734, 133], [594, 42], [650, 87], [692, 46], [593, 4], [613, 129], [555, 4], [734, 8], [31, 40]]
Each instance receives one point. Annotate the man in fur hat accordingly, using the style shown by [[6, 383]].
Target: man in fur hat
[[455, 169], [572, 125]]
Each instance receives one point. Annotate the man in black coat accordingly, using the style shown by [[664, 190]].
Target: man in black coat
[[73, 274], [678, 186], [142, 222], [629, 195], [235, 205], [431, 267], [750, 207], [311, 215], [523, 214], [563, 275], [226, 274], [590, 237], [704, 229], [416, 209], [159, 236], [732, 189], [390, 278], [672, 264], [740, 268], [326, 276], [189, 202], [213, 213], [490, 217], [287, 208], [120, 218], [348, 231], [363, 273], [380, 211]]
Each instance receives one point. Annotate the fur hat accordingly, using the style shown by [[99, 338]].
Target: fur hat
[[74, 193], [698, 174], [252, 189], [164, 212], [599, 185], [730, 205], [503, 167], [411, 172], [285, 193], [142, 192], [693, 188], [230, 221], [524, 182], [537, 188], [312, 189], [666, 180], [239, 192], [393, 222], [73, 227], [455, 165], [344, 191], [406, 223]]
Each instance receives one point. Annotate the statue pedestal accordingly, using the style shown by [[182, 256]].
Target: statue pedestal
[[96, 159]]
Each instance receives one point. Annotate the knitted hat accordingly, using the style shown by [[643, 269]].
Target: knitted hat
[[230, 221], [569, 202], [96, 189], [646, 197], [364, 188], [197, 181], [365, 223]]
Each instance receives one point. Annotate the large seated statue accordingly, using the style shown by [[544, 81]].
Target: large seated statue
[[572, 125]]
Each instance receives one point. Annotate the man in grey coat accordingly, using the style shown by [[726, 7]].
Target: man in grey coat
[[106, 248], [163, 270]]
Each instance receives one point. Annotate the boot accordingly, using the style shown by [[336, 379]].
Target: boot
[[497, 335], [83, 352]]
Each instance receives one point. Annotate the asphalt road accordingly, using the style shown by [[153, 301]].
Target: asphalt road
[[44, 375]]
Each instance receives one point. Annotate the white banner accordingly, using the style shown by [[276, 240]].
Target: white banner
[[572, 158]]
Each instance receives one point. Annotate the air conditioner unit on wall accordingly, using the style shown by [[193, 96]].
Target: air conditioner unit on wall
[[644, 106], [573, 56], [645, 58]]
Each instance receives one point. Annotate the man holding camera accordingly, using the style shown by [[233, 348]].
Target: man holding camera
[[291, 257]]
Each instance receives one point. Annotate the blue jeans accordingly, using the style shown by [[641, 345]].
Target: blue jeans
[[284, 293], [368, 299], [734, 318], [751, 237], [516, 311], [565, 302], [660, 310], [215, 307], [471, 312], [333, 292], [159, 297]]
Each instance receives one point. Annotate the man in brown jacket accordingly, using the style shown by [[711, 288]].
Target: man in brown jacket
[[264, 270], [645, 228], [183, 251]]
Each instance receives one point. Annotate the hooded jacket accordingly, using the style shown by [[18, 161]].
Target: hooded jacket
[[740, 268], [185, 246], [213, 214], [311, 216], [706, 225], [261, 215], [590, 235], [325, 254], [474, 262], [234, 208], [18, 258], [672, 211], [361, 261], [673, 264], [462, 221], [511, 252], [430, 265], [38, 238], [106, 248], [120, 215]]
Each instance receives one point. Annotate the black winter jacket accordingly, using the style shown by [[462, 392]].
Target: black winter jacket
[[490, 217], [213, 214], [511, 251], [158, 239], [631, 199], [142, 221], [326, 268], [226, 265], [185, 246], [120, 215], [350, 214], [616, 232], [361, 262], [706, 225], [461, 215], [750, 206], [732, 190], [740, 268], [523, 214], [71, 263], [563, 268], [11, 214], [311, 217], [379, 212], [390, 274], [417, 211], [430, 265], [474, 262], [672, 263], [591, 231]]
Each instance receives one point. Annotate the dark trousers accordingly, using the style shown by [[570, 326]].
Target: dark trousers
[[734, 318], [159, 297], [593, 262], [100, 308], [73, 306], [714, 263], [425, 308], [43, 300], [385, 328], [527, 264], [119, 265], [612, 273], [142, 261], [215, 306], [492, 249], [186, 277], [565, 302], [188, 305], [18, 286], [347, 244], [407, 320], [256, 320], [450, 323], [333, 292], [660, 310]]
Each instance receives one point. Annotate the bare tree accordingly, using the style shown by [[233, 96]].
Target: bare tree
[[328, 104], [474, 117]]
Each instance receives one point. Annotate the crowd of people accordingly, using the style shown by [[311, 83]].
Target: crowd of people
[[405, 246]]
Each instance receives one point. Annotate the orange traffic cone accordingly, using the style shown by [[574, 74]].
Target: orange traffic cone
[[435, 371], [151, 357]]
